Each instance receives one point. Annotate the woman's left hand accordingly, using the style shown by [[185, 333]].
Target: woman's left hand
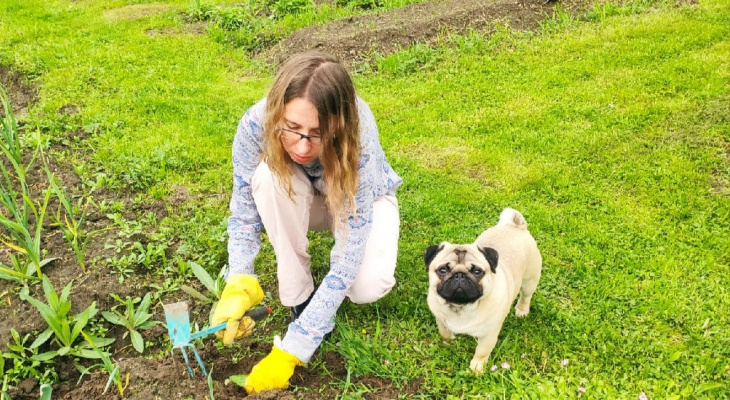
[[273, 372]]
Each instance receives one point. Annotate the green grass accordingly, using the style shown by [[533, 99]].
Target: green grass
[[611, 136]]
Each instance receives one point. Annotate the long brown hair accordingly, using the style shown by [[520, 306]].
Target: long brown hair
[[321, 79]]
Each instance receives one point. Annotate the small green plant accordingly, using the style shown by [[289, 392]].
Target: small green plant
[[214, 285], [168, 285], [210, 383], [21, 364], [292, 7], [361, 4], [113, 369], [71, 226], [20, 270], [134, 320], [198, 10], [63, 328]]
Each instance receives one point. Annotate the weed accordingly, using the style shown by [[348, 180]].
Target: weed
[[214, 285], [113, 369], [168, 285], [210, 383], [63, 328], [23, 363], [135, 320], [361, 4], [74, 218], [198, 10], [292, 7]]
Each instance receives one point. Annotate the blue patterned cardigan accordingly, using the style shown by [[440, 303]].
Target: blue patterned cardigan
[[376, 178]]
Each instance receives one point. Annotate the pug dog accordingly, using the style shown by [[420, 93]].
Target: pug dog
[[472, 286]]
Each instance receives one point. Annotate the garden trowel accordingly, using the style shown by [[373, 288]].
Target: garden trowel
[[178, 327]]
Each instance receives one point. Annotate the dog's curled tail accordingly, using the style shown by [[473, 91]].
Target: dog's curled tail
[[510, 216]]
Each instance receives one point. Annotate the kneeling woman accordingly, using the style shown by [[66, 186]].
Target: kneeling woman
[[307, 157]]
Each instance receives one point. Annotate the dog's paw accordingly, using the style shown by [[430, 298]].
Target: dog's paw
[[477, 366], [522, 312]]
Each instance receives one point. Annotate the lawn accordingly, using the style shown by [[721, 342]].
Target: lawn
[[610, 133]]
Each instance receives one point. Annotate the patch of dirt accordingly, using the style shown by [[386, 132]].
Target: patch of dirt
[[196, 28], [355, 39], [19, 90], [135, 11]]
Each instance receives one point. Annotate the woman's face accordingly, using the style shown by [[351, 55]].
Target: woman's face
[[299, 131]]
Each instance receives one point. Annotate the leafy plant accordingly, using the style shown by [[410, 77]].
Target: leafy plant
[[63, 328], [20, 269], [134, 320], [113, 369], [22, 364], [292, 7], [361, 4], [214, 285], [198, 10]]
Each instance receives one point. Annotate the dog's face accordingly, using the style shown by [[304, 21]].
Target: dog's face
[[460, 274]]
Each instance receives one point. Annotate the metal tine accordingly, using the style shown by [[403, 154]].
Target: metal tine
[[187, 362], [200, 362]]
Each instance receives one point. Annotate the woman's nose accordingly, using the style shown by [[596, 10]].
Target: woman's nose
[[303, 145]]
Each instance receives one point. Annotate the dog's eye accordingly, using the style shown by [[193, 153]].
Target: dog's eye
[[443, 270], [476, 271]]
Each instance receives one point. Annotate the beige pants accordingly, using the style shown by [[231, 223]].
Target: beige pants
[[287, 223]]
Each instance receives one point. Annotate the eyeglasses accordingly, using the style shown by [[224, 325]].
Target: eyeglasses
[[295, 136]]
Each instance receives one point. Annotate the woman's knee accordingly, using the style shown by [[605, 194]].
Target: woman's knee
[[371, 289]]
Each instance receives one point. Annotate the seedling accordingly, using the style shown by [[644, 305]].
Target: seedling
[[20, 363], [74, 218], [64, 329], [214, 286], [134, 320], [113, 369]]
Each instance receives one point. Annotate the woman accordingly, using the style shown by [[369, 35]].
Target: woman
[[307, 157]]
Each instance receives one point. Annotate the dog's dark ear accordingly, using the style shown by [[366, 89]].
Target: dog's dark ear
[[430, 253], [492, 257]]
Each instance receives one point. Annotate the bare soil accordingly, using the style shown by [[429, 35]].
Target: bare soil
[[356, 39], [164, 376]]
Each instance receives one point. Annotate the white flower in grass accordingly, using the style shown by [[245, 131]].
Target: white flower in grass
[[642, 396], [505, 365], [581, 389], [564, 362], [494, 368]]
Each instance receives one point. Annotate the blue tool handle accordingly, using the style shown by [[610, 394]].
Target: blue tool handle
[[256, 315], [208, 331]]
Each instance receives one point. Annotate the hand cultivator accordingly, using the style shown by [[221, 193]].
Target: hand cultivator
[[178, 327]]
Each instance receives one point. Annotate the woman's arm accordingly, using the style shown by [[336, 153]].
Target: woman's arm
[[244, 224]]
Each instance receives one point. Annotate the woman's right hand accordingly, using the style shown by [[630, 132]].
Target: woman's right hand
[[241, 293]]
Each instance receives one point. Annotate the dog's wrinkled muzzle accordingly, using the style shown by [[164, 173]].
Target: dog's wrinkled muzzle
[[459, 289]]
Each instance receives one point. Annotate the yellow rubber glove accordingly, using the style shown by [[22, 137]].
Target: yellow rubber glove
[[273, 372], [241, 293]]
